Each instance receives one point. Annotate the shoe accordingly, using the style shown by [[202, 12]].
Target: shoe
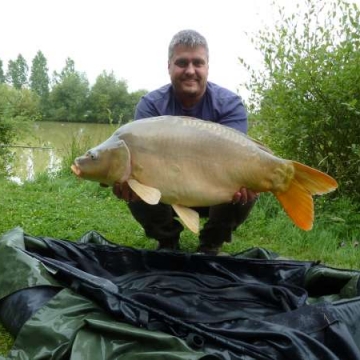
[[168, 245]]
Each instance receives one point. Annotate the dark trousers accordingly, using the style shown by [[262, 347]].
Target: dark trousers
[[159, 221]]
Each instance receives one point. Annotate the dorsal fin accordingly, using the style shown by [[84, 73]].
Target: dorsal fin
[[260, 144]]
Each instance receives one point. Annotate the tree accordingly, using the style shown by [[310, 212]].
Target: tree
[[133, 99], [17, 74], [18, 108], [308, 96], [109, 100], [39, 78], [39, 81], [68, 69], [68, 97], [2, 74]]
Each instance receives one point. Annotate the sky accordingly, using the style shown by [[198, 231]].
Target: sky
[[131, 37]]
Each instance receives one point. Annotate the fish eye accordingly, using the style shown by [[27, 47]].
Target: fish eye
[[91, 155]]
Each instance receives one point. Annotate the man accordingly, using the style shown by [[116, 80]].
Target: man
[[190, 94]]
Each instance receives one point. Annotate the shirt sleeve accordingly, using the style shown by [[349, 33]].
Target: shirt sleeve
[[234, 114], [145, 109]]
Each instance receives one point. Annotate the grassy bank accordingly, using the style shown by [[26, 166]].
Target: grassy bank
[[66, 208]]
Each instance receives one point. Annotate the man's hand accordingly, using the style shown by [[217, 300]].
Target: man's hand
[[244, 195], [124, 192]]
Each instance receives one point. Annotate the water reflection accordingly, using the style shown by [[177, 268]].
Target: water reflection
[[30, 165], [30, 161], [42, 149], [54, 162]]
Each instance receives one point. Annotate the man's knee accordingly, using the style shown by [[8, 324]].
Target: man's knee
[[231, 215], [223, 220], [157, 221]]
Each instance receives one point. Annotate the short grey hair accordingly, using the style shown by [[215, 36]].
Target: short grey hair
[[189, 38]]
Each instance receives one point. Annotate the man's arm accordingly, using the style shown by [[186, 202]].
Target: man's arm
[[145, 109], [234, 114]]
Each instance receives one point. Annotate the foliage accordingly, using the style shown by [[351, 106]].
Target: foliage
[[133, 100], [307, 99], [17, 108], [68, 98], [68, 70], [6, 341], [2, 74], [66, 207], [39, 78], [78, 146], [108, 100], [17, 72]]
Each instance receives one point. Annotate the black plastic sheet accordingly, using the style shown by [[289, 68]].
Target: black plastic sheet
[[248, 306]]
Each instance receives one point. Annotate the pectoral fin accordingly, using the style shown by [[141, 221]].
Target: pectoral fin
[[147, 193], [189, 217]]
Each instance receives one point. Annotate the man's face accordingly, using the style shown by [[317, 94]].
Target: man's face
[[188, 70]]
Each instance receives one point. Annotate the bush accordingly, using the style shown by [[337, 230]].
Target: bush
[[307, 99], [17, 109]]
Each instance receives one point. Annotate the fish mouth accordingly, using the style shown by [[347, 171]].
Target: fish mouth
[[75, 169]]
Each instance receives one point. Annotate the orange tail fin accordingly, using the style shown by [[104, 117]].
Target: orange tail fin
[[297, 200]]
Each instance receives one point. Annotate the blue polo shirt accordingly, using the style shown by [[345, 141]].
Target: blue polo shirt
[[218, 105]]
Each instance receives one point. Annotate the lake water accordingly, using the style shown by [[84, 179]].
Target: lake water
[[42, 149]]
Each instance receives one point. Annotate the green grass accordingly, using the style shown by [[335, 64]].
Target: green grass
[[6, 341], [66, 208]]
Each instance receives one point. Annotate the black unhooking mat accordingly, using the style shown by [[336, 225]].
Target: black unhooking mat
[[97, 300]]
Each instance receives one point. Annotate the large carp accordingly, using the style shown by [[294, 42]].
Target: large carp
[[187, 162]]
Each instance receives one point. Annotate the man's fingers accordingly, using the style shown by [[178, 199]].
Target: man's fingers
[[117, 190], [123, 191], [126, 192], [244, 195], [255, 196], [236, 198]]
